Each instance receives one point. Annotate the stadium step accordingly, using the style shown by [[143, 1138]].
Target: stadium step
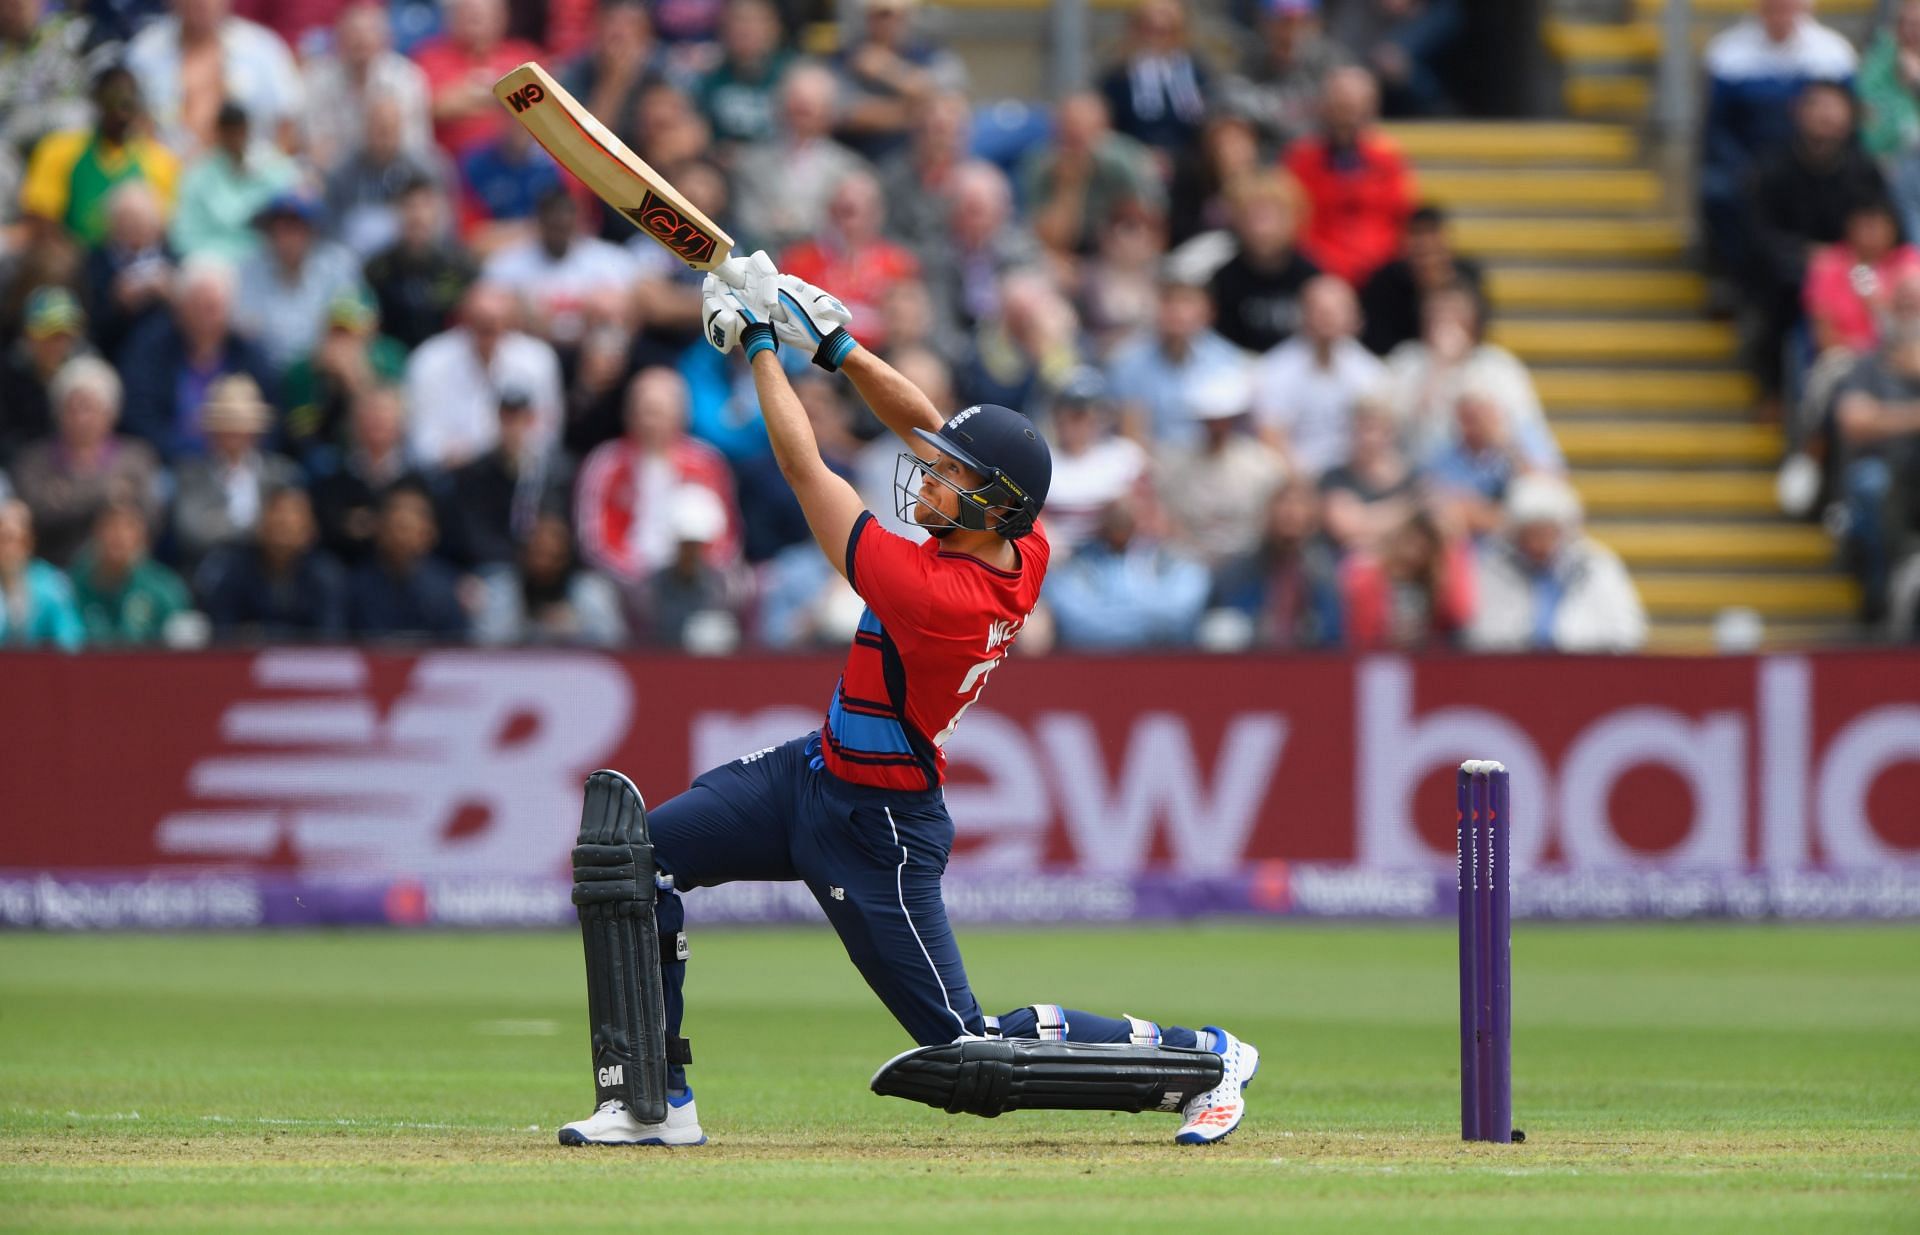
[[1598, 190], [1716, 392], [1582, 43], [1542, 143], [1666, 445], [1678, 637], [1607, 96], [1730, 10], [1584, 289], [1771, 595], [1622, 340], [1646, 493], [1782, 546], [1614, 240]]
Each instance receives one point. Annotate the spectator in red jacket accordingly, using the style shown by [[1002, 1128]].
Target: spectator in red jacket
[[1359, 189], [852, 257], [461, 67], [1416, 592]]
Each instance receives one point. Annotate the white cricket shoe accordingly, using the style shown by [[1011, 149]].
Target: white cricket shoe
[[1213, 1114], [614, 1124]]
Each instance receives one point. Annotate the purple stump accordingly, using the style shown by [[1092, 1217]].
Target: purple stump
[[1496, 1122], [1486, 1097], [1463, 840]]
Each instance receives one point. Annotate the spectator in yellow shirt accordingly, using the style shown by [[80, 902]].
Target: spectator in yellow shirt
[[71, 173]]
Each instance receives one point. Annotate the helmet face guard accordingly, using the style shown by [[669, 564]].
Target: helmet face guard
[[998, 505]]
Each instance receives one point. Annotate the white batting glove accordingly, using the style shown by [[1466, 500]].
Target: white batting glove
[[729, 324], [812, 320], [752, 281]]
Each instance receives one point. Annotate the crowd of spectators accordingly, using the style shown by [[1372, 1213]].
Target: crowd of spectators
[[306, 340]]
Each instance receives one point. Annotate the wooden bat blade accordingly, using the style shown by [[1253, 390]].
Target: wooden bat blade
[[618, 176]]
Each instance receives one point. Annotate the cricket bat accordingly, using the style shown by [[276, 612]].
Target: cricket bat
[[604, 164]]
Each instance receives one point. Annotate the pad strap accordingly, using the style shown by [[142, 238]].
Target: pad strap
[[1144, 1033], [1049, 1022]]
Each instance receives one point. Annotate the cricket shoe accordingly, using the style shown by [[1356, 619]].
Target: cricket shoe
[[1218, 1111], [614, 1124]]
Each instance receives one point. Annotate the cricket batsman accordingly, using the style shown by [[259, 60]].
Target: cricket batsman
[[855, 808]]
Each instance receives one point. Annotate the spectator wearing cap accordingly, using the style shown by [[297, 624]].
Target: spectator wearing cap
[[364, 189], [1755, 71], [1152, 375], [1469, 476], [129, 274], [43, 84], [358, 75], [1393, 296], [1414, 590], [36, 601], [278, 587], [1215, 491], [689, 598], [169, 363], [888, 73], [496, 499], [1407, 43], [739, 94], [1158, 92], [287, 287], [551, 598], [622, 61], [781, 185], [1425, 378], [67, 479], [1022, 353], [319, 389], [420, 279], [71, 173], [1278, 87], [1086, 177], [402, 591], [201, 59], [850, 254], [1547, 586], [625, 493], [1286, 589], [1375, 489], [566, 280], [348, 487], [1358, 186], [54, 332], [1093, 464], [225, 189], [218, 496], [1257, 292], [1123, 589], [454, 381], [461, 67], [125, 598], [1307, 386]]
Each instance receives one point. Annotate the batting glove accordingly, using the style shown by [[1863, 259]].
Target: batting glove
[[752, 281], [730, 323], [813, 320]]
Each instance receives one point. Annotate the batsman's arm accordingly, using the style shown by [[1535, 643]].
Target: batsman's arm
[[900, 405], [830, 504]]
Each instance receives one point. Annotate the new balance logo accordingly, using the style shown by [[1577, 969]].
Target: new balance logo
[[609, 1077]]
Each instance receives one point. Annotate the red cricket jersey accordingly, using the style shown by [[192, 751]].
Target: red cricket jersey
[[935, 625]]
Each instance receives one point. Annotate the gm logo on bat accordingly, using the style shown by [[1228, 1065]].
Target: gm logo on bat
[[661, 220], [526, 96]]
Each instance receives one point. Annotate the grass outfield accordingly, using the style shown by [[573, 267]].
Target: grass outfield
[[1670, 1078]]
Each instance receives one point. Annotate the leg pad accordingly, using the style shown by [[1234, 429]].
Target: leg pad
[[990, 1076]]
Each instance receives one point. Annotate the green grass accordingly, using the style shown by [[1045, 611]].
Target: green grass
[[1673, 1078]]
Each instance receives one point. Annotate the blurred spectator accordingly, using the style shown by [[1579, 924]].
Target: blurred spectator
[[497, 498], [454, 380], [689, 28], [1279, 87], [226, 187], [1878, 416], [1151, 376], [851, 256], [565, 279], [781, 185], [54, 331], [505, 178], [888, 74], [1122, 589], [1415, 591], [1257, 293], [1406, 43], [320, 388], [124, 596], [1850, 283], [365, 189], [668, 129], [1093, 465], [72, 172], [622, 60], [422, 278], [169, 363], [551, 598], [910, 321], [1074, 187], [1359, 189], [286, 288], [737, 95], [1287, 588], [36, 601], [979, 242], [1373, 491], [1800, 197], [770, 514], [218, 496], [1203, 175], [346, 496], [1889, 90], [1755, 71], [1427, 375], [1393, 297], [346, 84], [279, 586], [1119, 287], [625, 495], [1470, 475], [69, 478], [723, 409], [1216, 492], [921, 182], [461, 67], [43, 72], [201, 59], [1546, 585], [1309, 384], [403, 590], [1023, 354], [129, 274], [1157, 94], [690, 592]]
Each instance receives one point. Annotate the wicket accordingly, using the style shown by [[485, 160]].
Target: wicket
[[1486, 1044]]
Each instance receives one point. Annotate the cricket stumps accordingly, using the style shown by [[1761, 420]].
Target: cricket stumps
[[1483, 838]]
